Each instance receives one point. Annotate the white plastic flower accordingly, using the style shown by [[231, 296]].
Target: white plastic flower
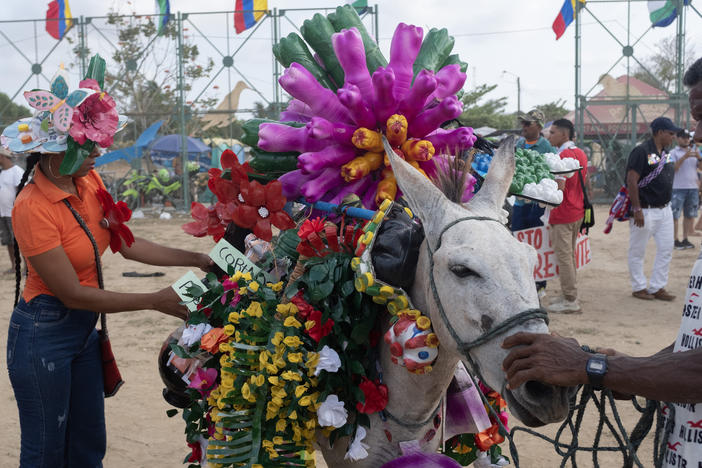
[[193, 333], [328, 360], [358, 449], [332, 412]]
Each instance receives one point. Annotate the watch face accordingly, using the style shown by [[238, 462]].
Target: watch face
[[596, 366]]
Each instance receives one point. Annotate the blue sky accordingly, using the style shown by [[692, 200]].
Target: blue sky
[[491, 36]]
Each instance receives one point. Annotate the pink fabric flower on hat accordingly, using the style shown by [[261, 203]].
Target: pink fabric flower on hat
[[96, 118]]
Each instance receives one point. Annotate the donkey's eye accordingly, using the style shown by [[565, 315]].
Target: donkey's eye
[[463, 271]]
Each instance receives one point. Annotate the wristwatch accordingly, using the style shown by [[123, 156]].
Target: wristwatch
[[596, 369]]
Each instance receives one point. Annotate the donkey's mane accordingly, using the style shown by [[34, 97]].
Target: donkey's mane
[[452, 174]]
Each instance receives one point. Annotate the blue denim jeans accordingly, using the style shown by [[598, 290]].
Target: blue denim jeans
[[53, 357]]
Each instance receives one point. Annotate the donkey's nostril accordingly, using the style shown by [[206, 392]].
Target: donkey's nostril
[[538, 390]]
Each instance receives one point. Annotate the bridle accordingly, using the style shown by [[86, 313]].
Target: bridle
[[511, 322]]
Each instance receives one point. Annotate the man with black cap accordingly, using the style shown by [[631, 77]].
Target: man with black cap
[[649, 180]]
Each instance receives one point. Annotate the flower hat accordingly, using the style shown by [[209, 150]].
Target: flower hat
[[74, 122]]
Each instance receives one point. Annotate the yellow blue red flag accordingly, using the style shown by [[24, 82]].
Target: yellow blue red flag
[[247, 13], [565, 17], [58, 18]]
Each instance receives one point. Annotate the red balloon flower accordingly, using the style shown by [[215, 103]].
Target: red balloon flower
[[206, 222], [376, 396], [116, 214], [260, 207]]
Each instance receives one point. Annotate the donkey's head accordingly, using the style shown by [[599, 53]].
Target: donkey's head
[[482, 276]]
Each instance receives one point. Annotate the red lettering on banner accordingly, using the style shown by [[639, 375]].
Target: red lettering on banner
[[547, 265]]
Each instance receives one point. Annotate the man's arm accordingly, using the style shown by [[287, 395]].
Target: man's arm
[[665, 376], [632, 185]]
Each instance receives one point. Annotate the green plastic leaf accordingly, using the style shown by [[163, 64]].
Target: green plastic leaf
[[357, 368], [75, 155], [96, 70], [171, 412], [179, 351]]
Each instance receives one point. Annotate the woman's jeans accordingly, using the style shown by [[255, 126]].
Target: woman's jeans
[[53, 357]]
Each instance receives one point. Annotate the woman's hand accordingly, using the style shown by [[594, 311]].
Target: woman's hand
[[205, 263], [168, 302]]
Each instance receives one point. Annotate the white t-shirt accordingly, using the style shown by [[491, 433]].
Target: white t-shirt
[[686, 175], [684, 448], [9, 180]]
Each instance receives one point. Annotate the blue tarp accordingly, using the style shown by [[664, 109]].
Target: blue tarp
[[131, 152], [168, 147]]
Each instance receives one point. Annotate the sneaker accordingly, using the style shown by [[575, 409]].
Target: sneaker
[[678, 245], [687, 244], [663, 295], [643, 294], [564, 307]]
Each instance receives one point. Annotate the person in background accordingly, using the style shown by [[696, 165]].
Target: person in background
[[674, 374], [650, 205], [527, 214], [686, 196], [565, 219], [10, 176]]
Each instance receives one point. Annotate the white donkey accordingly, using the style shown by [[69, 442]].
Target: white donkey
[[483, 278]]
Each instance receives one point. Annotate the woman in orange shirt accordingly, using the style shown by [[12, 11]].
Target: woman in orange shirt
[[63, 223]]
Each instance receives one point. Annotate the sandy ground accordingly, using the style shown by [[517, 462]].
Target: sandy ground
[[141, 435]]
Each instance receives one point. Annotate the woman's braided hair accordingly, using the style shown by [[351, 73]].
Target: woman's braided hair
[[32, 161]]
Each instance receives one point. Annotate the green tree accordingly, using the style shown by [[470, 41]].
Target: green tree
[[10, 112], [553, 110], [659, 70], [145, 84], [478, 111]]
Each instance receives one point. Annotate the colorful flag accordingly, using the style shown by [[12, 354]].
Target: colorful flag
[[565, 17], [663, 12], [360, 5], [58, 18], [245, 16], [163, 10]]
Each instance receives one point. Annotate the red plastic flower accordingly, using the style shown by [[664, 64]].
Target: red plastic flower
[[318, 330], [196, 453], [116, 214], [310, 226], [227, 189], [260, 207], [206, 222], [376, 396], [303, 307], [96, 118]]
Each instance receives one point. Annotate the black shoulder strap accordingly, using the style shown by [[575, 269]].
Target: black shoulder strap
[[96, 252], [582, 185]]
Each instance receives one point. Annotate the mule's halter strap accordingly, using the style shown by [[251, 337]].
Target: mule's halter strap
[[521, 317]]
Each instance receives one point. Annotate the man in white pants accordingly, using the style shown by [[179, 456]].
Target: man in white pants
[[649, 165]]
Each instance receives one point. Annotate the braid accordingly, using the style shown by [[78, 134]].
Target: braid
[[32, 161]]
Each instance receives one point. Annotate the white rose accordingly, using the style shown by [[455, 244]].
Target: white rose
[[332, 412], [358, 449], [193, 333], [328, 360]]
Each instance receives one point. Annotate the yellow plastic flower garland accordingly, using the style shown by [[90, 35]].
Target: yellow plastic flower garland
[[396, 300], [278, 381]]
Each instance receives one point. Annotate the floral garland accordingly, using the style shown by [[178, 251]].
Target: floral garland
[[278, 365]]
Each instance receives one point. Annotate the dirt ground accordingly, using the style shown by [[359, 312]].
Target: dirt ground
[[141, 435]]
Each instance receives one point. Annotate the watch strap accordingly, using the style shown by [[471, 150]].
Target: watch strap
[[596, 378]]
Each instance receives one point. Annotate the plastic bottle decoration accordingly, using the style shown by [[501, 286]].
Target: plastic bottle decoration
[[353, 98], [413, 343]]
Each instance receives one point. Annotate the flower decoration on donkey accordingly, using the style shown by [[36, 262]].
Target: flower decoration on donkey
[[353, 98], [245, 202]]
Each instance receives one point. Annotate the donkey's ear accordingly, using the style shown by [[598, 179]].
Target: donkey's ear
[[423, 197], [491, 196]]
